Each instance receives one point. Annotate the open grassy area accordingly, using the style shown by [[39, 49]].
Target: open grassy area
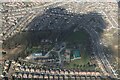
[[81, 63], [33, 50], [81, 40], [40, 48]]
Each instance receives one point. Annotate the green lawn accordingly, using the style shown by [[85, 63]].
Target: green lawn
[[83, 61], [79, 38], [39, 48]]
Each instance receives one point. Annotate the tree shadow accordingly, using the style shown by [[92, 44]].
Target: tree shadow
[[58, 23]]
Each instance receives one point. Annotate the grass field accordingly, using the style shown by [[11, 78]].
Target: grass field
[[79, 38], [85, 58], [40, 48]]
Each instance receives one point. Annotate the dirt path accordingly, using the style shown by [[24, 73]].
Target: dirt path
[[13, 52]]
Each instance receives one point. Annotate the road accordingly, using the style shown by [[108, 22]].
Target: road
[[106, 66], [60, 61], [110, 19], [27, 18], [99, 51]]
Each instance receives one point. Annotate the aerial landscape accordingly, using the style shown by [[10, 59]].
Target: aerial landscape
[[59, 40]]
